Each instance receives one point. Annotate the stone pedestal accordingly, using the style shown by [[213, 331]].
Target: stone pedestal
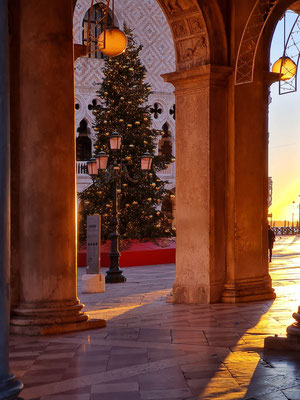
[[44, 177], [201, 128], [291, 342], [93, 283], [9, 387]]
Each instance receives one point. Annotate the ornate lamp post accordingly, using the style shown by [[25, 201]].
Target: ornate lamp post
[[115, 274]]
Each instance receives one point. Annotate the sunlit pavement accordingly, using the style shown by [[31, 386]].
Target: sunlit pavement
[[155, 350]]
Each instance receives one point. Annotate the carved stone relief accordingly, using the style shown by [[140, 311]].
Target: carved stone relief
[[180, 29], [191, 49], [189, 32], [195, 25]]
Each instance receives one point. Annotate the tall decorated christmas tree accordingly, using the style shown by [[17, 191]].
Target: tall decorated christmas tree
[[123, 108]]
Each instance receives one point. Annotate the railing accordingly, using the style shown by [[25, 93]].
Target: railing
[[286, 230], [168, 171], [81, 167]]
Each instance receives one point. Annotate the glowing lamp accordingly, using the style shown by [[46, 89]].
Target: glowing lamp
[[92, 167], [101, 160], [112, 42], [286, 67], [115, 140], [146, 161]]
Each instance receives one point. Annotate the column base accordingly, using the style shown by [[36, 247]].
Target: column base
[[248, 290], [183, 294], [10, 388], [115, 277], [45, 330], [51, 318]]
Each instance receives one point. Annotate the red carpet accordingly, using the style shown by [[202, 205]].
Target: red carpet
[[137, 253]]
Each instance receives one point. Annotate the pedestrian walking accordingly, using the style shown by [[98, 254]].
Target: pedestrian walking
[[271, 240]]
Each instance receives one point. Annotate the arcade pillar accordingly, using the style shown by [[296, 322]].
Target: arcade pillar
[[201, 128], [247, 272], [9, 387], [44, 174]]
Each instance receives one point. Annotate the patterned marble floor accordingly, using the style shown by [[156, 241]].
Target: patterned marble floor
[[153, 350]]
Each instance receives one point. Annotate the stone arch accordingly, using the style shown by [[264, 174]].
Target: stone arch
[[281, 7], [198, 31], [197, 41]]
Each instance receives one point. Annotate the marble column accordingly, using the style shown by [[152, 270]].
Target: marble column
[[44, 179], [9, 387], [201, 128]]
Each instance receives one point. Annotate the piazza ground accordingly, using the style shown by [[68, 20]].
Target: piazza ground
[[153, 350]]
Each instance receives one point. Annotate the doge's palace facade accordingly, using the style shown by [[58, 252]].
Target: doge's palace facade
[[151, 29]]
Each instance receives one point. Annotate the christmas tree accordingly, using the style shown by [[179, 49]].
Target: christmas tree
[[123, 108]]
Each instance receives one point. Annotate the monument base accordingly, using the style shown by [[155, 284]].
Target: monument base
[[289, 343], [93, 283]]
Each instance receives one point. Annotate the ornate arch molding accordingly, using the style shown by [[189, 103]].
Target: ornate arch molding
[[189, 32], [263, 17]]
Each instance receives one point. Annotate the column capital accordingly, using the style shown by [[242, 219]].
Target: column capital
[[199, 76]]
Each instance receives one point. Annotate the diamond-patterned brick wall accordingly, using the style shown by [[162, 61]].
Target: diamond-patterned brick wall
[[151, 29]]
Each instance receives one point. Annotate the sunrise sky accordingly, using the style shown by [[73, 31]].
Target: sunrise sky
[[284, 141]]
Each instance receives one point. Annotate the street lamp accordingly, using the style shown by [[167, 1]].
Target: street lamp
[[146, 161], [115, 274]]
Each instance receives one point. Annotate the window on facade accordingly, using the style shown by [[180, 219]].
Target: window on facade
[[96, 28], [83, 143]]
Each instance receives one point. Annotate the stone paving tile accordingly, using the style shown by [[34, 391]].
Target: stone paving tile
[[116, 396], [165, 394], [112, 387], [67, 397], [155, 350], [292, 393], [273, 396], [170, 378]]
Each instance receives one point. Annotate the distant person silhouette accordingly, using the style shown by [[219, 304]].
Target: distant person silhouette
[[271, 240]]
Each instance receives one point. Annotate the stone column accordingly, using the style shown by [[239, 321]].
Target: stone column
[[9, 387], [201, 128], [44, 178], [247, 274]]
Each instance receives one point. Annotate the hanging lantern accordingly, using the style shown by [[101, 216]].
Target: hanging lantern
[[115, 140], [92, 167], [146, 161], [101, 160], [112, 42], [286, 67]]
